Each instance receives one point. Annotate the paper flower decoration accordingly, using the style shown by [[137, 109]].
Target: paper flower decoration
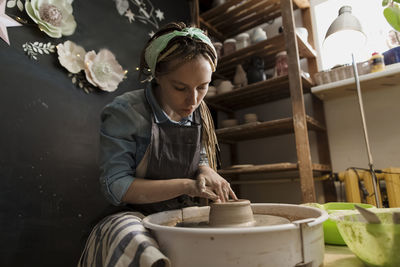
[[54, 17], [88, 69], [71, 56], [103, 71]]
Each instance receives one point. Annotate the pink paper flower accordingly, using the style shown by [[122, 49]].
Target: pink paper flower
[[71, 56], [103, 71]]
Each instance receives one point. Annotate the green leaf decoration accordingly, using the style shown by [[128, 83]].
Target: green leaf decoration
[[11, 3], [20, 5], [397, 1], [33, 49], [392, 15]]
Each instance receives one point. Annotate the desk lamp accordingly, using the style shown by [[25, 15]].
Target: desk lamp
[[346, 34]]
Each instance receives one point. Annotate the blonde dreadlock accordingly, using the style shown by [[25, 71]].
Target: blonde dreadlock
[[209, 138]]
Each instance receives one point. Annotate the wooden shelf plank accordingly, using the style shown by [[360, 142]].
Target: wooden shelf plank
[[263, 129], [256, 93], [266, 49], [274, 167], [236, 16], [371, 81]]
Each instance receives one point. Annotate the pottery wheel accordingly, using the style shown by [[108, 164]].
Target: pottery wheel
[[260, 220], [265, 219]]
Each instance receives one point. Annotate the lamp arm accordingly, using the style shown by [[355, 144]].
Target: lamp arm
[[364, 124]]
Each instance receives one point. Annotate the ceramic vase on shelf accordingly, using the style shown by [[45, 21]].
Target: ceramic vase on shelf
[[258, 35], [240, 78], [281, 64], [255, 71]]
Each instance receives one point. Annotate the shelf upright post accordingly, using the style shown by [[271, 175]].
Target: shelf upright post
[[298, 108], [194, 13]]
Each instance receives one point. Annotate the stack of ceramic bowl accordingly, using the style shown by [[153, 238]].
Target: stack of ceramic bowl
[[224, 87], [250, 118], [229, 123], [242, 40], [229, 46], [212, 91]]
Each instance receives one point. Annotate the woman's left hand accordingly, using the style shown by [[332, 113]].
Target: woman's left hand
[[208, 177]]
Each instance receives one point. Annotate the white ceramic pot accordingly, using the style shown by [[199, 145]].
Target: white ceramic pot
[[224, 87], [303, 33], [275, 245], [258, 35]]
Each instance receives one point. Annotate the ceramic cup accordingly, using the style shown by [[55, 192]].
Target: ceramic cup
[[224, 87], [250, 117], [212, 91], [217, 82], [229, 46], [231, 214]]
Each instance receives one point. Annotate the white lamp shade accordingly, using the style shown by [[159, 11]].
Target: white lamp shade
[[345, 34]]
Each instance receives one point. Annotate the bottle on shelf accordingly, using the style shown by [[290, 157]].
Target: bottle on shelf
[[377, 63]]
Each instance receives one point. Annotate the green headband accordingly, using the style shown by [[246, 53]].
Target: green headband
[[158, 45]]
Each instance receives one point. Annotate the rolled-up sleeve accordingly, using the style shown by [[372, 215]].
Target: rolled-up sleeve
[[117, 151], [203, 156]]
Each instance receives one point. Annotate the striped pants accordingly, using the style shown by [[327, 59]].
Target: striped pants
[[121, 240]]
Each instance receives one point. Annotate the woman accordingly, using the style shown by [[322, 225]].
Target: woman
[[158, 144]]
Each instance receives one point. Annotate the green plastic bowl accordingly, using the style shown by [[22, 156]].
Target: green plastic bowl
[[332, 235]]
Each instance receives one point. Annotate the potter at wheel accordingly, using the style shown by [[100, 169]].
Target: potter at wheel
[[234, 214]]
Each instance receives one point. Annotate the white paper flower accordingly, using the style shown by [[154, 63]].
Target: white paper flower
[[54, 17], [103, 70], [71, 56]]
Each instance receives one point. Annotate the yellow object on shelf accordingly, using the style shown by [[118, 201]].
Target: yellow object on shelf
[[390, 176], [377, 62]]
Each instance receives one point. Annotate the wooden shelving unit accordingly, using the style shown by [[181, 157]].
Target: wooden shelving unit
[[274, 167], [266, 49], [255, 94], [257, 130], [237, 16]]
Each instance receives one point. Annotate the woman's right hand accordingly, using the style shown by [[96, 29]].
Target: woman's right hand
[[198, 188]]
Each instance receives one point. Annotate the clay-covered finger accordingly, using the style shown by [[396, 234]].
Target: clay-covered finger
[[226, 193], [232, 194], [221, 194], [207, 193]]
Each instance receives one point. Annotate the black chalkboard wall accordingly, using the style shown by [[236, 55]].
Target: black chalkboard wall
[[49, 130]]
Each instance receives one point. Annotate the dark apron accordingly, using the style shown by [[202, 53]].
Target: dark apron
[[174, 152]]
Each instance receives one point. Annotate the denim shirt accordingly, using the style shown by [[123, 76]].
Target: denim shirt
[[125, 134]]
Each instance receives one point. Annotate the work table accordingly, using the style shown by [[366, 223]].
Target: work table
[[340, 256]]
